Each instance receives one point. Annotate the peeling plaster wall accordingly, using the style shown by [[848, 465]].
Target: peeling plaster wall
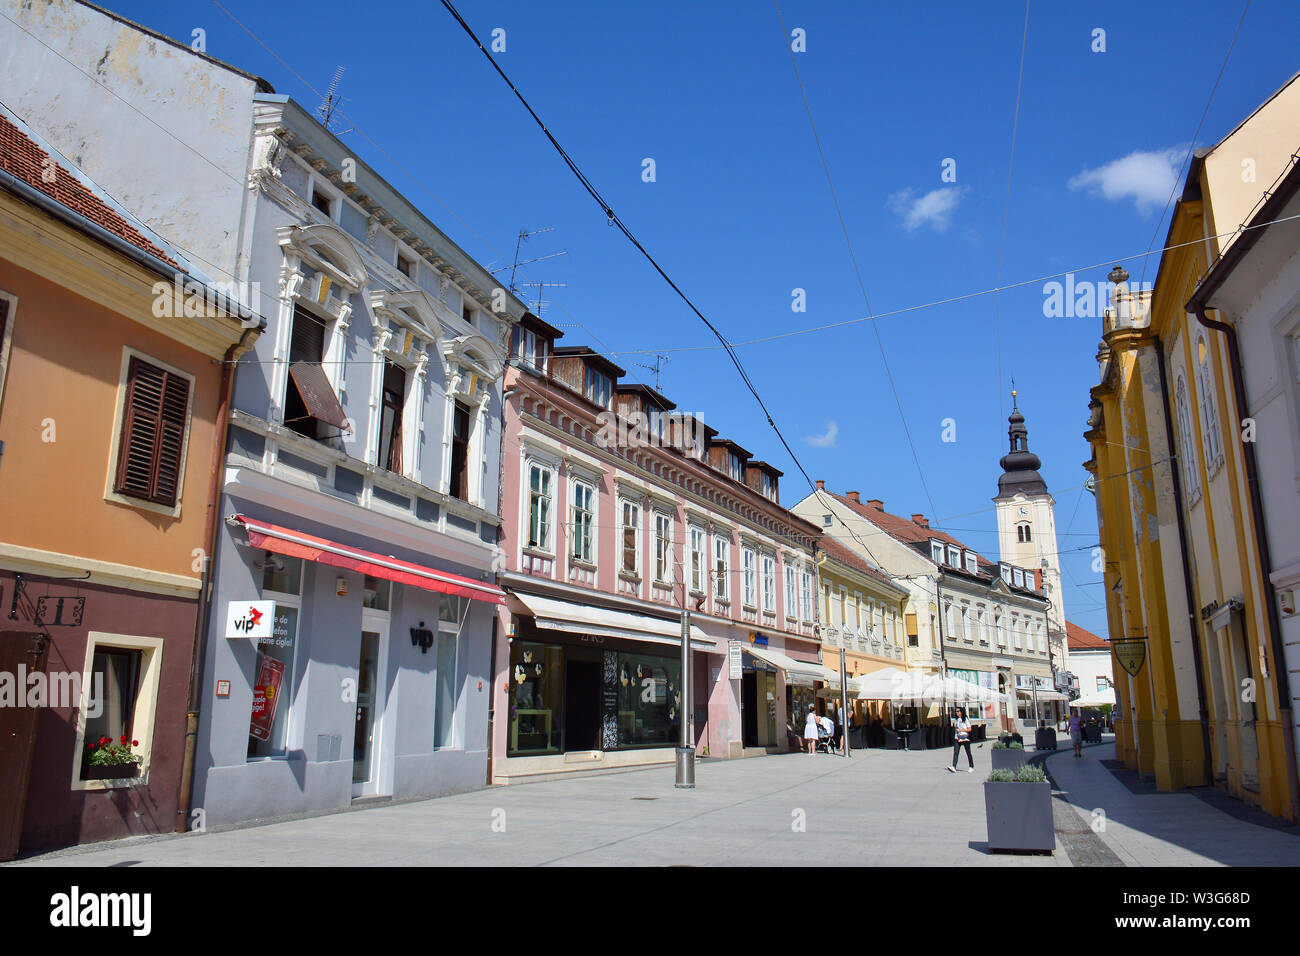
[[165, 132]]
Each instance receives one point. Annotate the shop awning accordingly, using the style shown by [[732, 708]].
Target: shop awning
[[296, 544], [788, 664], [553, 615], [1096, 699], [1027, 693]]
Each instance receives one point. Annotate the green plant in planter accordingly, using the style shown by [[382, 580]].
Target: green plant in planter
[[1002, 776], [1015, 745], [999, 745], [107, 752], [1030, 773]]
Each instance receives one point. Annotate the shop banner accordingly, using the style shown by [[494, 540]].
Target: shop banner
[[266, 697], [735, 664]]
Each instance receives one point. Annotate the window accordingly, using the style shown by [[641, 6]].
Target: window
[[273, 668], [972, 562], [1018, 577], [1102, 684], [322, 200], [1022, 533], [539, 507], [769, 583], [721, 558], [807, 596], [8, 305], [151, 444], [458, 485], [663, 548], [451, 612], [306, 357], [826, 521], [791, 593], [936, 552], [631, 537], [1191, 475], [584, 521], [963, 630], [467, 312], [769, 486], [529, 348], [735, 467], [406, 266], [115, 676], [748, 567], [390, 421], [1209, 409], [699, 567], [598, 387], [119, 692], [954, 556]]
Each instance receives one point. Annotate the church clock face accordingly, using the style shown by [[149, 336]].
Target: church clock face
[[1024, 510]]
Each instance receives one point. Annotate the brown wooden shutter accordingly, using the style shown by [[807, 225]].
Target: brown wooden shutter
[[153, 434]]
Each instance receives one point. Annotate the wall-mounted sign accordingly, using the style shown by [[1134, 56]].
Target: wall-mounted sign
[[734, 662], [253, 619], [1130, 654], [223, 688], [758, 639]]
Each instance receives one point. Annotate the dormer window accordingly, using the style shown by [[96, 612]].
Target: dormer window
[[972, 562], [598, 387], [954, 556], [769, 486], [936, 552], [735, 467], [1018, 577], [530, 349], [1005, 571]]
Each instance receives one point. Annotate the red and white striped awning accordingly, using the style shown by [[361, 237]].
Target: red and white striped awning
[[297, 544]]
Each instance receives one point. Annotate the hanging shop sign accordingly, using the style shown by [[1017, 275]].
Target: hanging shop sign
[[1130, 654], [734, 663], [253, 619]]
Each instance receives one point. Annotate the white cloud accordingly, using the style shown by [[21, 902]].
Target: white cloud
[[1145, 176], [826, 440], [935, 208]]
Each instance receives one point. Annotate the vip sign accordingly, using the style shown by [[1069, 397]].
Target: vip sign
[[253, 619]]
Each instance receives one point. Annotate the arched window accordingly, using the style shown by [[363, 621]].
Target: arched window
[[1191, 476], [1209, 408], [1022, 533]]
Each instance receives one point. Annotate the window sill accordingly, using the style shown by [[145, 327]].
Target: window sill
[[577, 562], [630, 576], [537, 552]]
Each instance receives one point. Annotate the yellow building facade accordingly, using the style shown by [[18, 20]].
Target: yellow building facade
[[1185, 576]]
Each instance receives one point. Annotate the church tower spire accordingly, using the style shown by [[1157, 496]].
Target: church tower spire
[[1020, 465]]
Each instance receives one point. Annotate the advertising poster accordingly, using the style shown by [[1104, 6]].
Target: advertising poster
[[266, 696]]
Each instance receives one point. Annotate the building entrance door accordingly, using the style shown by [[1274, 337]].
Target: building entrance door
[[581, 705], [369, 694]]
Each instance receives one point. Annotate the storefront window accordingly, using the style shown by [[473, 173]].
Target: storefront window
[[273, 669], [375, 593], [444, 708], [649, 700], [536, 706]]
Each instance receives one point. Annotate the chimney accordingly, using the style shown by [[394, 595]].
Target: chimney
[[877, 504], [920, 521], [821, 485], [1038, 580], [854, 497]]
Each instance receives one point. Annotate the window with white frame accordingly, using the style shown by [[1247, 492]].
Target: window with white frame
[[1015, 631], [936, 552], [699, 560], [1209, 409], [806, 604], [663, 548], [451, 614], [584, 522], [119, 696], [769, 583], [598, 387], [630, 529], [721, 560], [972, 562], [827, 520], [791, 593], [735, 467], [539, 507], [530, 349], [1191, 474], [1023, 533], [998, 629], [749, 573], [954, 556]]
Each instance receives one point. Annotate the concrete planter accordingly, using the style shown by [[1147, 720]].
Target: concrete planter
[[1019, 816], [1006, 759]]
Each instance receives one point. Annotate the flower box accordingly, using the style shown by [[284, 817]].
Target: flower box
[[112, 771], [1019, 816], [1006, 758]]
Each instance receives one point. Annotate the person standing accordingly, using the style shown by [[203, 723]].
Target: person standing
[[1076, 733], [961, 738], [810, 731]]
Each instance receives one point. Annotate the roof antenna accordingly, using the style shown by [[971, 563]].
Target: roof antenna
[[660, 360], [331, 101], [524, 234]]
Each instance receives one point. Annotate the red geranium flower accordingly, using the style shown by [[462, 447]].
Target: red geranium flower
[[135, 743]]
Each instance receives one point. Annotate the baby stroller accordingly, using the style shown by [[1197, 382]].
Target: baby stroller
[[825, 740]]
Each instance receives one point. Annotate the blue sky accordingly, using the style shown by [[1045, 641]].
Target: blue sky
[[740, 214]]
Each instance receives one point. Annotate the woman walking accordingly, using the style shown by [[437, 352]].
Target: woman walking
[[1076, 732], [961, 738], [810, 731]]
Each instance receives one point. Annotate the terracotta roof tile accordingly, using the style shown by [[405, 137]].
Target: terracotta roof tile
[[1080, 640], [850, 558], [24, 160]]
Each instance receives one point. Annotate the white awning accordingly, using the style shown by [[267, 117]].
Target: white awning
[[1096, 699], [553, 615], [787, 664], [1027, 693]]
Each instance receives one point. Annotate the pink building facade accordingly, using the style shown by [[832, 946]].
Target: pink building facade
[[616, 512]]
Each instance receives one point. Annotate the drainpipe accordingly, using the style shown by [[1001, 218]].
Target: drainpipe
[[1185, 543], [216, 471], [1281, 679]]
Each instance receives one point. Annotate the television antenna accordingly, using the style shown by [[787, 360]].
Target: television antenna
[[332, 100], [657, 366], [540, 286], [524, 234]]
